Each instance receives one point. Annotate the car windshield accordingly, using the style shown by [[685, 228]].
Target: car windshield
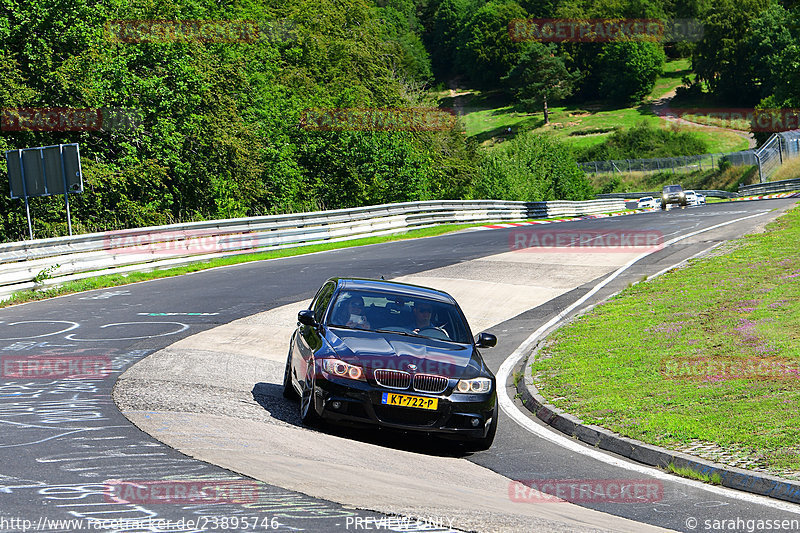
[[646, 199], [672, 188], [393, 313]]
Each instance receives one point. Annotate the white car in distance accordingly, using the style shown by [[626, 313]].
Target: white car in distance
[[691, 198], [647, 202], [701, 198]]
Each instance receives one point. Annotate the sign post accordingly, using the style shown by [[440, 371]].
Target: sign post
[[44, 171]]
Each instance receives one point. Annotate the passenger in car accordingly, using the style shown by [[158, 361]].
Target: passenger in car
[[352, 313]]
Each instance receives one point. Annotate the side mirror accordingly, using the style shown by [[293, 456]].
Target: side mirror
[[486, 340], [306, 317]]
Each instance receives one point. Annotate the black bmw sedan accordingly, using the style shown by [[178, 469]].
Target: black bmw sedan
[[394, 355]]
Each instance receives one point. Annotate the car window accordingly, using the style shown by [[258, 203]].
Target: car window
[[673, 188], [390, 312], [321, 301]]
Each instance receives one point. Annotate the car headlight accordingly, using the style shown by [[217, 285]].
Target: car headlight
[[341, 369], [473, 386]]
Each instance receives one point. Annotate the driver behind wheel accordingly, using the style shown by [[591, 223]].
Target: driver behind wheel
[[423, 312]]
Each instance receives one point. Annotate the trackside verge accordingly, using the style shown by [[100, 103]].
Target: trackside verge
[[648, 454]]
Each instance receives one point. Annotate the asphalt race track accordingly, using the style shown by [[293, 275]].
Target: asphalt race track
[[66, 448]]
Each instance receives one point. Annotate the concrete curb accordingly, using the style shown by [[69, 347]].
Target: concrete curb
[[732, 477]]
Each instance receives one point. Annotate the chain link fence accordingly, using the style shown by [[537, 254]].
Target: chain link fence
[[769, 157], [689, 163], [773, 153]]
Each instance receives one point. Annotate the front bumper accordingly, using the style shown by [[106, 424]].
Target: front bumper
[[358, 403]]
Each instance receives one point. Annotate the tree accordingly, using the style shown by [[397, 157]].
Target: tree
[[772, 44], [488, 51], [721, 59], [628, 70], [446, 29], [540, 77]]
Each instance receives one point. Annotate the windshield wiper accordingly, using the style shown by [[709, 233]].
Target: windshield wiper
[[397, 332]]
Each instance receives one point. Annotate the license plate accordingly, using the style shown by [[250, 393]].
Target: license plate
[[404, 400]]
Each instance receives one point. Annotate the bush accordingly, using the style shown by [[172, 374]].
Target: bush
[[644, 141], [532, 167]]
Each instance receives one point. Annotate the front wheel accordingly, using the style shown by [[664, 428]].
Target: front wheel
[[308, 413], [288, 388]]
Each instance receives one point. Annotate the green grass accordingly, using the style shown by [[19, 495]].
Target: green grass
[[713, 479], [789, 170], [721, 141], [113, 280], [681, 359], [488, 115], [674, 71]]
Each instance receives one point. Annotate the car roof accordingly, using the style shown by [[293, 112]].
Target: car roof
[[394, 287]]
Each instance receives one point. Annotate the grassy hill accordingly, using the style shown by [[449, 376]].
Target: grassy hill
[[488, 115]]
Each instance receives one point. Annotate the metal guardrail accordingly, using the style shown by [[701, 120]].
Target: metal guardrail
[[57, 260], [655, 194], [771, 187]]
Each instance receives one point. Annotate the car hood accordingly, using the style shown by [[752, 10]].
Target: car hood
[[374, 351]]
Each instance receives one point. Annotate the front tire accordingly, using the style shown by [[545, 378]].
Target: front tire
[[288, 387], [308, 412]]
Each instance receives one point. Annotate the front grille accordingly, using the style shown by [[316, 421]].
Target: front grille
[[430, 383], [393, 379], [405, 416]]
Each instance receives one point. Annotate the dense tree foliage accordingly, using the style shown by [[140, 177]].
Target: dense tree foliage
[[721, 58], [487, 51], [219, 133], [220, 129], [629, 70]]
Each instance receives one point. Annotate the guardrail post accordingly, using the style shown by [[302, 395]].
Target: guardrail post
[[760, 172]]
